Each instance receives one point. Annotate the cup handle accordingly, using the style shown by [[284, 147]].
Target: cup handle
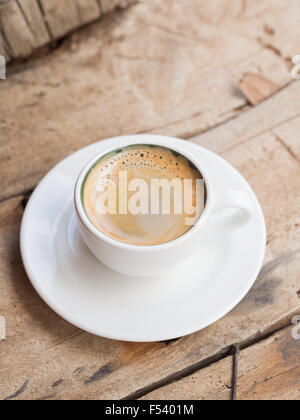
[[235, 199]]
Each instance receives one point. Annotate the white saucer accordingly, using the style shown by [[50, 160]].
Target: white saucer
[[87, 294]]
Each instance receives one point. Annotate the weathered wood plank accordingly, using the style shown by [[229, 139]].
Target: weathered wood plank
[[30, 24], [35, 21], [211, 383], [88, 10], [21, 42], [109, 5], [23, 26], [269, 370], [53, 109], [108, 369], [4, 50], [113, 81], [62, 16]]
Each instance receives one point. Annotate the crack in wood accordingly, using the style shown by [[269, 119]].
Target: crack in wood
[[180, 374], [57, 383], [25, 17], [265, 271], [258, 338], [82, 18], [236, 354], [100, 6], [42, 10], [221, 355], [225, 353], [6, 44], [195, 115], [19, 392], [65, 340], [85, 16], [244, 7]]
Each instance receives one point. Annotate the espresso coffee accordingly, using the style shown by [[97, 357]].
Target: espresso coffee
[[139, 218]]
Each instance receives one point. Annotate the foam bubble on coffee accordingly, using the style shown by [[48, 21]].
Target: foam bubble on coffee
[[146, 163]]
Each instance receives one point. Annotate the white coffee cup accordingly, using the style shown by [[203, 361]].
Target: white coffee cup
[[153, 260]]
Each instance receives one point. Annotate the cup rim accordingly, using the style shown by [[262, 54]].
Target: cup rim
[[138, 140]]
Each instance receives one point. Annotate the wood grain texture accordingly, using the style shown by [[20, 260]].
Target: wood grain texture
[[30, 24], [182, 83], [269, 370], [110, 80], [275, 112], [62, 16], [34, 18], [257, 88], [109, 5], [211, 383], [2, 48], [88, 10], [40, 347], [21, 42], [54, 350]]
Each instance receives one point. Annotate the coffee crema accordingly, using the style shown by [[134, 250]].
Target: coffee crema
[[146, 163]]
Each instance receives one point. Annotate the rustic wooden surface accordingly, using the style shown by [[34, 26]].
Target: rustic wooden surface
[[27, 25], [109, 80]]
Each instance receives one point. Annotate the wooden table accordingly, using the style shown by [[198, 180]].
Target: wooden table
[[170, 67]]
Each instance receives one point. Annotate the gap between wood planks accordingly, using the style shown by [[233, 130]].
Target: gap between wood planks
[[20, 64], [230, 351]]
